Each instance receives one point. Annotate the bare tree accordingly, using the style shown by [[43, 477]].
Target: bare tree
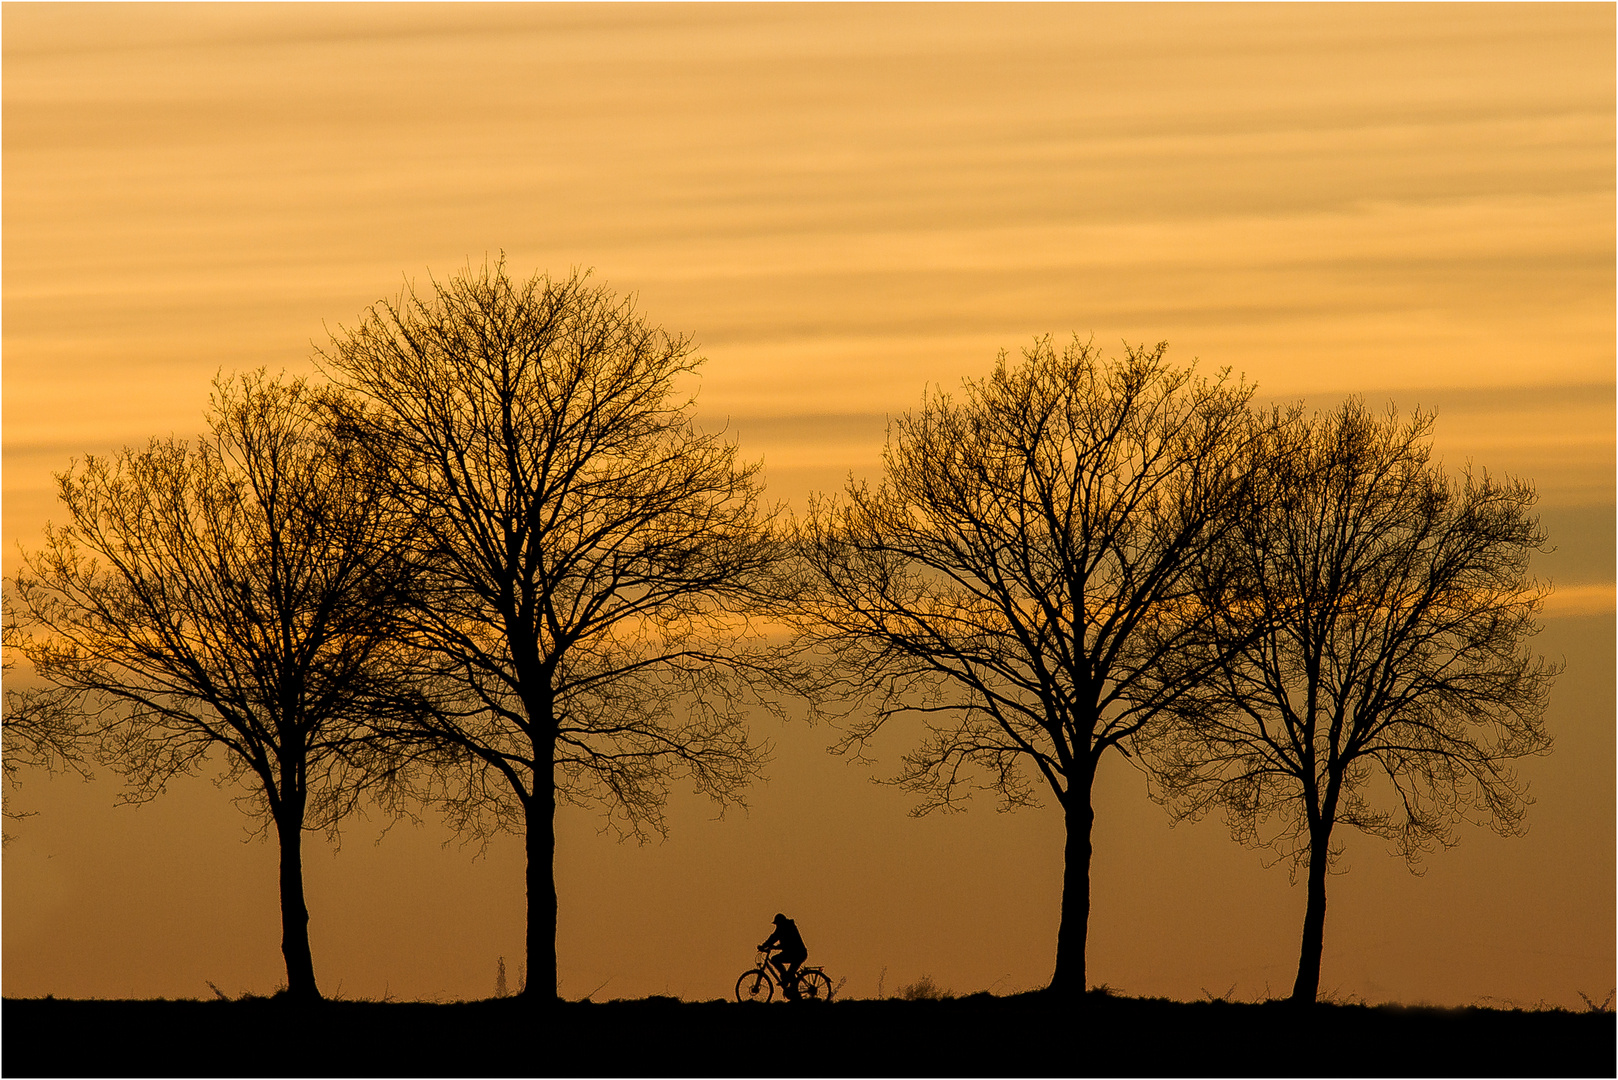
[[234, 596], [1023, 567], [1371, 665], [587, 551]]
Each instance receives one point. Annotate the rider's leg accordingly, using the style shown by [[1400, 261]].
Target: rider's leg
[[784, 971], [789, 978]]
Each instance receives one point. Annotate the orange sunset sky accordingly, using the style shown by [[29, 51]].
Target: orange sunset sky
[[843, 204]]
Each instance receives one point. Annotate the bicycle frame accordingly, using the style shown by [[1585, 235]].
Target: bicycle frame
[[815, 976]]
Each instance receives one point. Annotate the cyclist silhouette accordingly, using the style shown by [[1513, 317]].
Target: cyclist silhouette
[[790, 953]]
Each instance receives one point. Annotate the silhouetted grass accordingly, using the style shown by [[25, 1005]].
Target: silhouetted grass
[[1027, 1034], [924, 989]]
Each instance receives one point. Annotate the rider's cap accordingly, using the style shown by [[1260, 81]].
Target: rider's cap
[[779, 918]]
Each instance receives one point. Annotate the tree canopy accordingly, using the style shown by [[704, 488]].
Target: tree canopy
[[1021, 572], [1368, 663], [589, 555], [234, 595]]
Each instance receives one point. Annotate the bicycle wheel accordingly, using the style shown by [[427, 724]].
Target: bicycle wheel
[[755, 985], [813, 985]]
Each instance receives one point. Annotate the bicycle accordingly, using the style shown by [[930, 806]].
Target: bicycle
[[759, 984]]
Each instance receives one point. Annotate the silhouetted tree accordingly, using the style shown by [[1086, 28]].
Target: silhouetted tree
[[1022, 568], [585, 546], [231, 596], [1369, 655]]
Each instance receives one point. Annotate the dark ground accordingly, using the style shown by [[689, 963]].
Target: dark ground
[[1026, 1035]]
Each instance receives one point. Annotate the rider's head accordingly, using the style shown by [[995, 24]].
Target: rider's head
[[779, 919]]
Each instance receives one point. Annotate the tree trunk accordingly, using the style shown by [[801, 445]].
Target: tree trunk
[[1071, 935], [541, 842], [1307, 986], [294, 912]]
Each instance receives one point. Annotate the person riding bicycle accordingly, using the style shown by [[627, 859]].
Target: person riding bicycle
[[790, 953]]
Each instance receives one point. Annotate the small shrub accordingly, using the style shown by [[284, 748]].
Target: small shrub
[[924, 989], [500, 988]]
